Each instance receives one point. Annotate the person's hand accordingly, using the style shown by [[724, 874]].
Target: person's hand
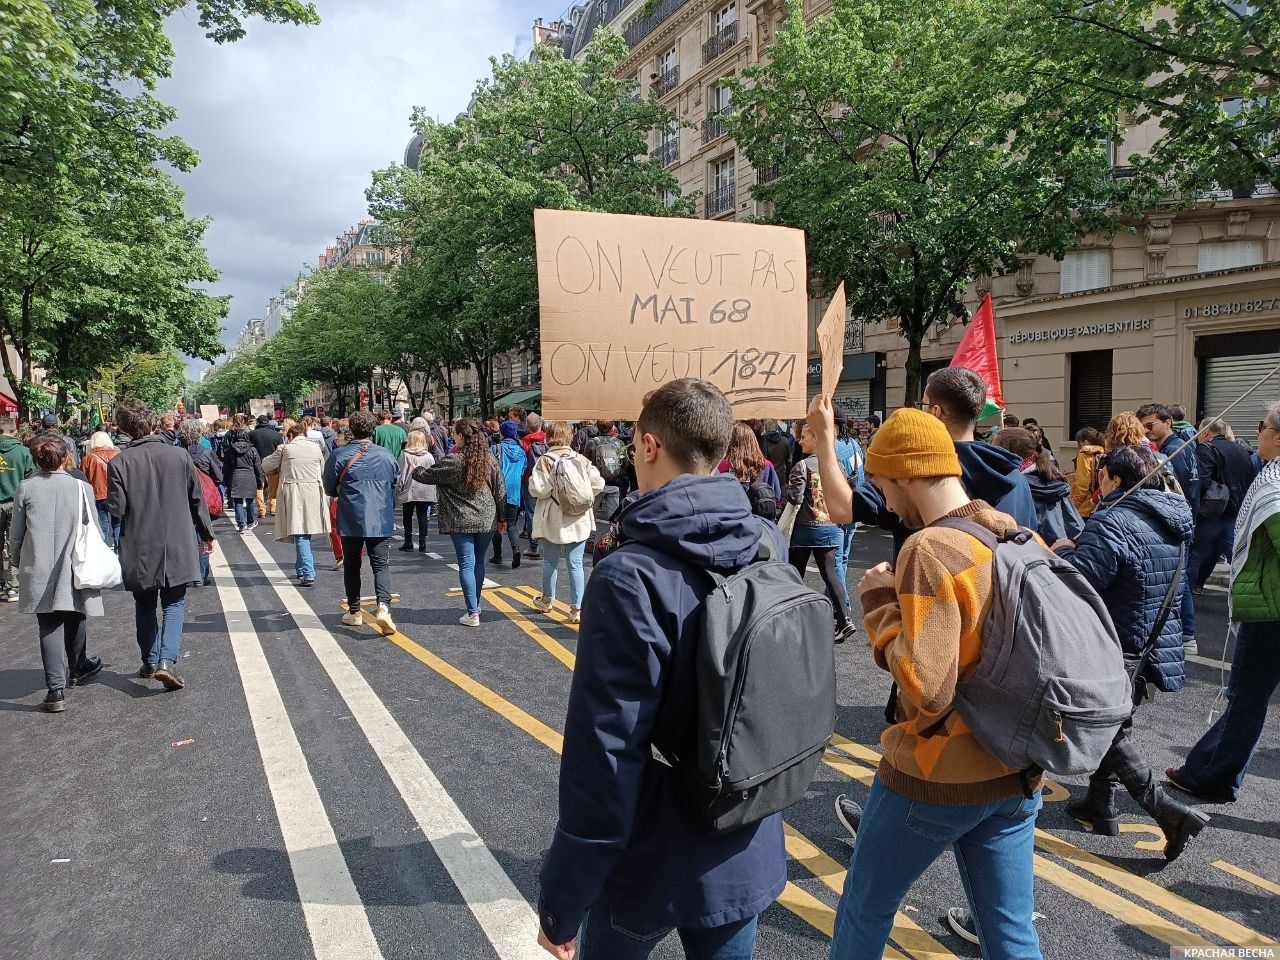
[[564, 951], [1062, 543], [502, 528], [207, 547], [881, 575], [822, 419]]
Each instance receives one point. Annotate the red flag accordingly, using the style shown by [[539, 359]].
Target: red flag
[[977, 351]]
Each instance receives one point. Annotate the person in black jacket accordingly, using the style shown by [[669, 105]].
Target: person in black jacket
[[1224, 461], [242, 473], [1130, 552], [265, 437]]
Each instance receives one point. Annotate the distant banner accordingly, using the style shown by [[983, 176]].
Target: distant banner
[[261, 408], [630, 303], [208, 412]]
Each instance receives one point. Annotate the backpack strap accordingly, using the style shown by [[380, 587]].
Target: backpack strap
[[351, 463]]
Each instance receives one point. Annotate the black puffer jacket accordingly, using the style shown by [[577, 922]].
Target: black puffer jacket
[[242, 470], [1129, 553]]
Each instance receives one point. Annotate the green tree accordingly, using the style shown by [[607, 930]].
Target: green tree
[[919, 151], [157, 379]]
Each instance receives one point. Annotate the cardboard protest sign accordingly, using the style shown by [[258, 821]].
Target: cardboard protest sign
[[208, 412], [831, 341], [630, 303], [258, 408]]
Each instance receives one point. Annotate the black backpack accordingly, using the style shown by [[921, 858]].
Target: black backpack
[[766, 696], [607, 455], [763, 501]]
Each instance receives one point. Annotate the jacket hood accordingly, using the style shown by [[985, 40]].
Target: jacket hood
[[1047, 491], [416, 454], [1167, 511], [512, 452], [988, 469], [773, 436], [538, 436], [8, 443], [242, 446], [705, 521]]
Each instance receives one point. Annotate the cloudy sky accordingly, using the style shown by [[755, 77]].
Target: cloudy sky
[[290, 121]]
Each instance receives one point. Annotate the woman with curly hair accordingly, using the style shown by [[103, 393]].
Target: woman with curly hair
[[470, 488], [1125, 430]]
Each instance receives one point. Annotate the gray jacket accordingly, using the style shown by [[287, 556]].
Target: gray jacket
[[47, 514], [462, 510]]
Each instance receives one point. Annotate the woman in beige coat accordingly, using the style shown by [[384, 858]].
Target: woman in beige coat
[[302, 509]]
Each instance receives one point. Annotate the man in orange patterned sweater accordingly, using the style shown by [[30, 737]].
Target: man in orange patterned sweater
[[937, 787]]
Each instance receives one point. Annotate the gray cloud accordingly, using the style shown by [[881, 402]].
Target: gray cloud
[[290, 122]]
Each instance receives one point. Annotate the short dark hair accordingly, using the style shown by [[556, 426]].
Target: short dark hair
[[362, 424], [384, 416], [1009, 420], [135, 418], [604, 426], [959, 391], [1089, 435], [1129, 465], [874, 421], [692, 419], [263, 420], [515, 412], [1177, 411], [1031, 422], [1160, 411], [49, 450]]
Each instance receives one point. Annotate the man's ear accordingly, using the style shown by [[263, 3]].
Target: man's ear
[[649, 447]]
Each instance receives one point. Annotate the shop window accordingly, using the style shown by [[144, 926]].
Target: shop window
[[1090, 390], [1228, 254], [1085, 270]]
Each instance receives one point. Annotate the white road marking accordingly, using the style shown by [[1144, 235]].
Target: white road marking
[[508, 921], [487, 582], [1206, 661], [335, 915], [435, 556]]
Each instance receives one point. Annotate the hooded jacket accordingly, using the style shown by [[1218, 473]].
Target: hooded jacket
[[527, 441], [409, 490], [990, 474], [513, 460], [242, 470], [15, 466], [624, 841], [1084, 478], [1128, 553], [777, 448], [1058, 517]]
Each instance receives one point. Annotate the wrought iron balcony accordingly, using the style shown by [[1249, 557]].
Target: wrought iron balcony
[[664, 83], [666, 153], [640, 27], [768, 174], [713, 126], [720, 201], [719, 43]]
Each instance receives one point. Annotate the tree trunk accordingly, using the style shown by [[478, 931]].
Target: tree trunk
[[448, 386], [914, 386], [24, 355]]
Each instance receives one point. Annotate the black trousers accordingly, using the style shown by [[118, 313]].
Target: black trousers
[[510, 513], [826, 557], [423, 512], [379, 551], [61, 656], [1122, 762]]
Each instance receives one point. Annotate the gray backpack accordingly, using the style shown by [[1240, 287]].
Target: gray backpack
[[1050, 689]]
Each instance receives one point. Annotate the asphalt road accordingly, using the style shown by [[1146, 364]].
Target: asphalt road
[[323, 791]]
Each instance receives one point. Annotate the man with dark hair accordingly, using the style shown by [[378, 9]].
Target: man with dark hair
[[1181, 427], [49, 424], [362, 477], [15, 466], [153, 488], [265, 438], [873, 425], [626, 855], [1226, 462]]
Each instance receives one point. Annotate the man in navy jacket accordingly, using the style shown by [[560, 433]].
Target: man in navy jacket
[[628, 862]]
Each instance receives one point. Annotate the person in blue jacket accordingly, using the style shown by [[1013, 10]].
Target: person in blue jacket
[[512, 459], [628, 863], [1129, 552]]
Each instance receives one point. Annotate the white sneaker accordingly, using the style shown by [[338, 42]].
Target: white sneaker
[[1190, 647], [352, 619], [470, 619], [383, 619], [575, 615], [542, 604], [337, 564]]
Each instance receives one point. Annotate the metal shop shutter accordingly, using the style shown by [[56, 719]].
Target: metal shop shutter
[[855, 397], [1090, 391], [1224, 379]]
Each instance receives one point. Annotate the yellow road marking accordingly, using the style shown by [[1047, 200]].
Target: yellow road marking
[[540, 637], [1248, 877], [1155, 833], [809, 909], [527, 599], [854, 771]]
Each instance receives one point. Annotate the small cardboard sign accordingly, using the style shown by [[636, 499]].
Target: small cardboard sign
[[629, 303], [208, 412], [831, 341]]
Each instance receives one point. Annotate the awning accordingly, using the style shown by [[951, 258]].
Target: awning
[[521, 397], [8, 404]]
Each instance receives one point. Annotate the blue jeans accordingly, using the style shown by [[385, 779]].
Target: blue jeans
[[847, 530], [606, 936], [470, 548], [110, 526], [246, 511], [304, 563], [1216, 765], [160, 639], [572, 553], [205, 572], [899, 838], [527, 506], [1214, 539]]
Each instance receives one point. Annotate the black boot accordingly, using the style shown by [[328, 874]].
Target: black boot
[[1097, 808], [408, 544], [1179, 821]]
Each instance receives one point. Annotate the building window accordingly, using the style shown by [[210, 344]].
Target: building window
[[725, 18], [1090, 390], [1085, 270], [1228, 254], [719, 103], [667, 198], [724, 33], [722, 178], [667, 151], [666, 74]]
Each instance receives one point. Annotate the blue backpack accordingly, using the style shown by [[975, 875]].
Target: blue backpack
[[852, 460]]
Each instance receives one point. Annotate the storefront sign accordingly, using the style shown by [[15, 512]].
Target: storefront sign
[[1232, 308], [1086, 330]]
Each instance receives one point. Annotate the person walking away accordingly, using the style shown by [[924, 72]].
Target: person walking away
[[303, 508], [15, 466], [853, 459], [152, 487], [512, 459], [776, 447], [390, 436], [1057, 514], [203, 459], [341, 437], [1084, 481], [535, 445], [94, 465], [362, 476], [242, 473], [925, 616], [587, 431], [626, 855], [1131, 550], [757, 475], [608, 455], [1181, 426], [415, 499], [1225, 464], [564, 519], [814, 534], [49, 424], [49, 510], [1215, 768], [265, 437], [470, 487]]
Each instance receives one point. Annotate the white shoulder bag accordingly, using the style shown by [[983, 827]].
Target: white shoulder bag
[[94, 565]]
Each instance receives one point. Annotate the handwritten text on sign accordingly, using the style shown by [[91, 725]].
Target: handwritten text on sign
[[630, 303]]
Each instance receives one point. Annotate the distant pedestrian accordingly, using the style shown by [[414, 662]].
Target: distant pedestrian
[[49, 424], [242, 473], [15, 466], [1058, 516], [562, 532], [1226, 464], [390, 436], [513, 460], [415, 499], [470, 487], [534, 442], [303, 508], [361, 476], [1084, 481], [94, 465], [265, 437], [1125, 430], [203, 459], [49, 511], [756, 474], [153, 489]]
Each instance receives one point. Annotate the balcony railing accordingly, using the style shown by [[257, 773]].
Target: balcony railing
[[639, 28], [720, 201], [664, 83], [721, 42], [713, 127], [666, 153], [768, 174]]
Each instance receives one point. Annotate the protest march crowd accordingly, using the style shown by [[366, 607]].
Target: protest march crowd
[[1028, 613]]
